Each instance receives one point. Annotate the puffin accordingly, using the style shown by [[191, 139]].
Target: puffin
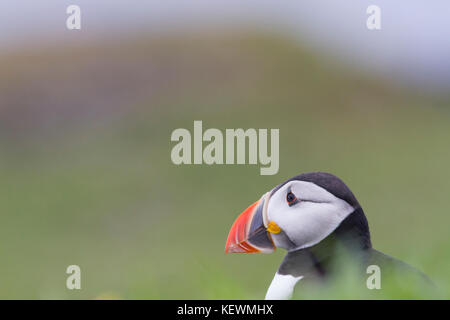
[[317, 219]]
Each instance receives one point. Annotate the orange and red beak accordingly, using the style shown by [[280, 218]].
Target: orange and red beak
[[249, 232]]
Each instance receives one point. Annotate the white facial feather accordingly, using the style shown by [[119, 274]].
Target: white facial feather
[[311, 220]]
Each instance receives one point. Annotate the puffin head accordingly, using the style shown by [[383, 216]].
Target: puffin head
[[297, 214]]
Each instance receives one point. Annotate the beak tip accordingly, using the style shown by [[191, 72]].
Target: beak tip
[[241, 247]]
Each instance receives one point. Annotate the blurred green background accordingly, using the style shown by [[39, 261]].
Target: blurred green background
[[86, 175]]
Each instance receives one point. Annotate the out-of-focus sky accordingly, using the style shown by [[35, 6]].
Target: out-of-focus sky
[[413, 45]]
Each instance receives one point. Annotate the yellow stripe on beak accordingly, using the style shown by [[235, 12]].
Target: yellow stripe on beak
[[273, 227]]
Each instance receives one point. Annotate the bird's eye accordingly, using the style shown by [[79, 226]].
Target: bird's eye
[[291, 199]]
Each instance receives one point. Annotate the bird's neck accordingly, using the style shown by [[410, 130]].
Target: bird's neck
[[352, 237]]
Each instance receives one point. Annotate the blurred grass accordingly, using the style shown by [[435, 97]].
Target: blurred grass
[[86, 176]]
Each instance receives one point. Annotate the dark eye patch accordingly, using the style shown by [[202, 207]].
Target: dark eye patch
[[291, 198]]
